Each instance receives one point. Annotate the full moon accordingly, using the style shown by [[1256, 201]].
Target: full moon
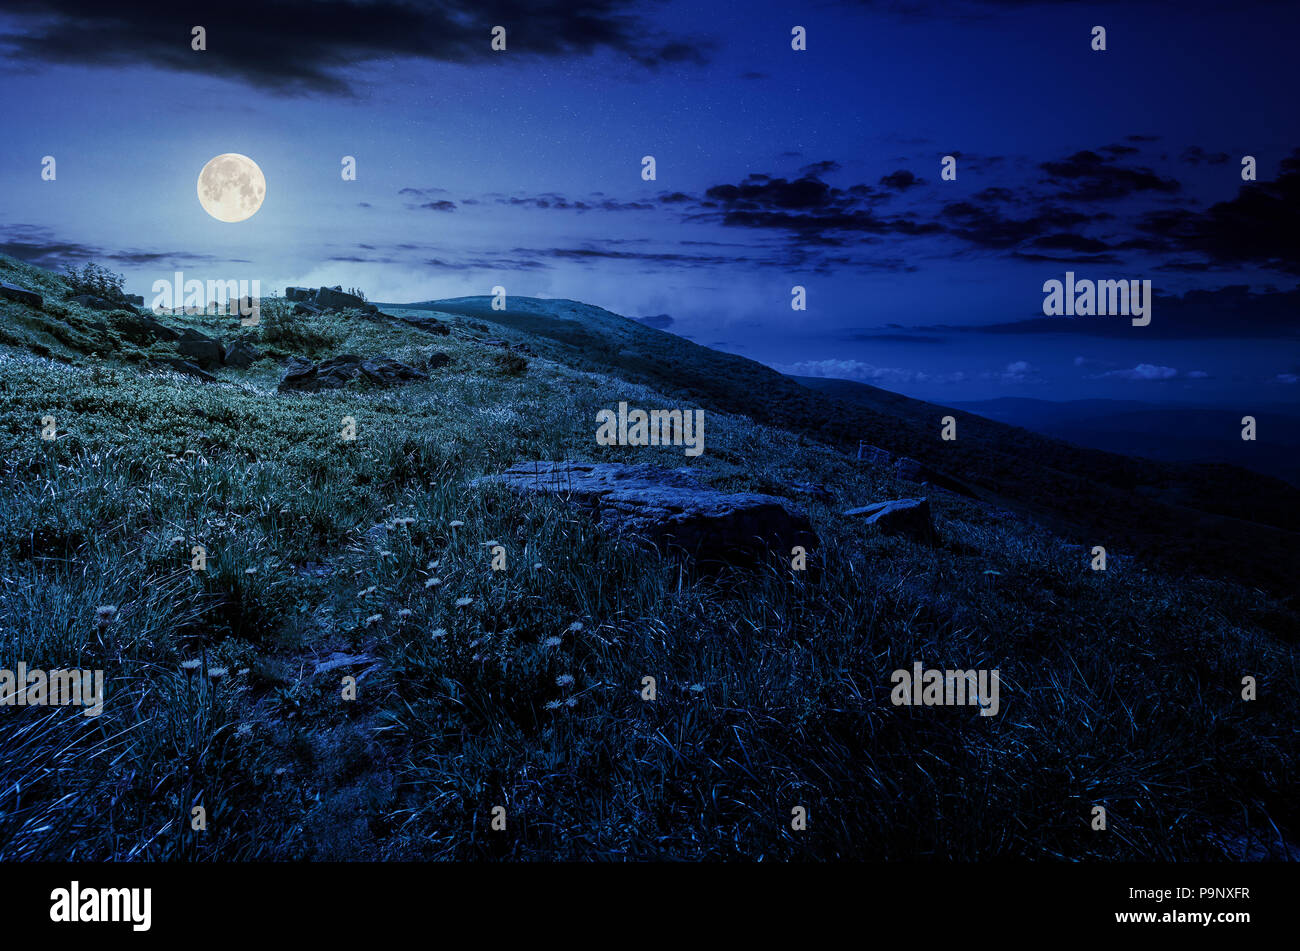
[[231, 187]]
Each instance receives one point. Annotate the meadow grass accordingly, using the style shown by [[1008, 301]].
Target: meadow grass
[[523, 688]]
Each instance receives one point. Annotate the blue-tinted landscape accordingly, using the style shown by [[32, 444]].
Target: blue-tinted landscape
[[610, 430]]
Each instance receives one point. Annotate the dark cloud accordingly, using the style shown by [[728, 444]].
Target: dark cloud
[[900, 180], [818, 169], [986, 226], [1086, 177], [1196, 155], [657, 321], [309, 46], [37, 245], [1053, 221], [995, 194], [554, 202], [806, 207], [424, 199], [1257, 227]]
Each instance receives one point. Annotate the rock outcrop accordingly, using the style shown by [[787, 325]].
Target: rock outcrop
[[20, 294], [910, 517], [241, 354], [669, 507], [201, 349], [142, 328], [320, 299], [425, 322], [305, 377]]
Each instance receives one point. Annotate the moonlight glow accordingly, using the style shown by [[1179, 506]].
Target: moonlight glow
[[231, 187]]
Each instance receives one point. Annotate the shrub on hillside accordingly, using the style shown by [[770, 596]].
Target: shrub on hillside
[[280, 326], [95, 279]]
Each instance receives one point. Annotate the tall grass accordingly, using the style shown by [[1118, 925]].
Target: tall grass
[[523, 688]]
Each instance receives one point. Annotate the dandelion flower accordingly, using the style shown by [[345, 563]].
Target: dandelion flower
[[552, 705], [458, 524], [537, 566], [564, 680], [438, 632], [366, 592], [251, 570], [433, 582], [190, 666], [464, 602], [404, 613], [432, 565], [571, 702], [551, 642], [697, 688], [489, 544], [217, 673], [373, 620], [575, 627]]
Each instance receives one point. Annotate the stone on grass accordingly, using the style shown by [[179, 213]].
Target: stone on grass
[[669, 507], [910, 517], [20, 294]]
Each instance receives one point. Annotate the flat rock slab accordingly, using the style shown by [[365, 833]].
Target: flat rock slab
[[143, 328], [909, 517], [20, 294], [670, 507]]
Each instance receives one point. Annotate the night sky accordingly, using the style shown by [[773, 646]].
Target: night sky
[[774, 168]]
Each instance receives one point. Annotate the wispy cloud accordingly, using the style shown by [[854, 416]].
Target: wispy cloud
[[329, 38]]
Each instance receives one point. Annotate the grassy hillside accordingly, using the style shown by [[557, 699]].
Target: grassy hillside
[[1210, 520], [521, 688]]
